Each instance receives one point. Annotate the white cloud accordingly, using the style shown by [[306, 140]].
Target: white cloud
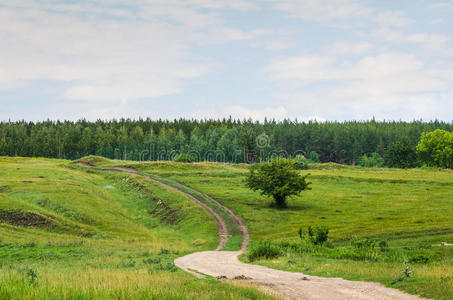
[[228, 4], [104, 52], [394, 18], [426, 38], [431, 39], [319, 10], [350, 48], [443, 5], [327, 82], [260, 114]]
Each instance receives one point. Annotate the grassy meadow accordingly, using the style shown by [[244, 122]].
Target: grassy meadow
[[68, 232], [405, 215]]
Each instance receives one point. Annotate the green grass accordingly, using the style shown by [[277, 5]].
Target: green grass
[[409, 209], [68, 232]]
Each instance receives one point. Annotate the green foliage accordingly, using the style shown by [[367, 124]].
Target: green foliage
[[224, 140], [277, 178], [301, 163], [32, 276], [406, 273], [374, 160], [314, 157], [401, 154], [184, 157], [264, 249], [365, 249], [317, 235], [435, 148], [419, 258]]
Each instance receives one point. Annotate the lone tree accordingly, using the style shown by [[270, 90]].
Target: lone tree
[[277, 178]]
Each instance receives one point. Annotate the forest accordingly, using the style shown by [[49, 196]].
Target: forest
[[225, 140]]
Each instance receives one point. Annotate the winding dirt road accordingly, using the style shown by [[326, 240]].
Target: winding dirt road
[[224, 265]]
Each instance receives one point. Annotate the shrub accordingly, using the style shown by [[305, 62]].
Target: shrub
[[383, 246], [401, 154], [164, 251], [374, 160], [435, 148], [301, 163], [314, 157], [184, 157], [151, 260], [32, 276], [168, 266], [264, 249], [317, 235], [365, 249], [419, 258]]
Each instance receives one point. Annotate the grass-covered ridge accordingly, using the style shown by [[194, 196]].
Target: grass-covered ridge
[[69, 232], [410, 210]]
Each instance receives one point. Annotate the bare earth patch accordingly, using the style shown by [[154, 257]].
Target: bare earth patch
[[20, 218]]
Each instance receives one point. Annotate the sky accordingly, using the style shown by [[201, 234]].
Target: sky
[[330, 60]]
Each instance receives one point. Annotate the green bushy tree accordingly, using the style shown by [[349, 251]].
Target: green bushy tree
[[436, 148], [277, 178], [301, 163], [401, 154], [374, 160]]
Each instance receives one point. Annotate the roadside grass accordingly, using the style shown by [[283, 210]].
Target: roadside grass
[[68, 232], [411, 210], [234, 240]]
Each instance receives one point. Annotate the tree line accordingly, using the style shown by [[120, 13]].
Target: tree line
[[226, 140]]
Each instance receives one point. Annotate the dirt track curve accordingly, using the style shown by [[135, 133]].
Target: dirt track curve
[[226, 266]]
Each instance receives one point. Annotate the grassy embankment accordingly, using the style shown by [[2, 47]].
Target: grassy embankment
[[71, 233], [407, 213]]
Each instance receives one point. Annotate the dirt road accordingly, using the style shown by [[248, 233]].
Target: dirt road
[[225, 265], [288, 284]]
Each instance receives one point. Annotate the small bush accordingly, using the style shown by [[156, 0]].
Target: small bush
[[383, 246], [366, 249], [264, 249], [419, 258], [130, 263], [314, 157], [374, 160], [32, 276], [151, 260], [316, 236], [164, 251], [169, 266], [184, 157], [301, 163]]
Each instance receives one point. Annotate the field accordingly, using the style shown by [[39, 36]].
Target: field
[[59, 221], [411, 210], [69, 233]]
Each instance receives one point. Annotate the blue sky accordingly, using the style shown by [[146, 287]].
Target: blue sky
[[304, 59]]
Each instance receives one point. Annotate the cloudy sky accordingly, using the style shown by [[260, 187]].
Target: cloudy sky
[[304, 59]]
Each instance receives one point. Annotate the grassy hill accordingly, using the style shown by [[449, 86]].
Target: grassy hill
[[408, 212], [60, 221], [71, 233]]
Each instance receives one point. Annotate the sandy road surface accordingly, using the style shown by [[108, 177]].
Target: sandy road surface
[[288, 284]]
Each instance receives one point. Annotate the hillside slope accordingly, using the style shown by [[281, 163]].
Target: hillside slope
[[116, 234]]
